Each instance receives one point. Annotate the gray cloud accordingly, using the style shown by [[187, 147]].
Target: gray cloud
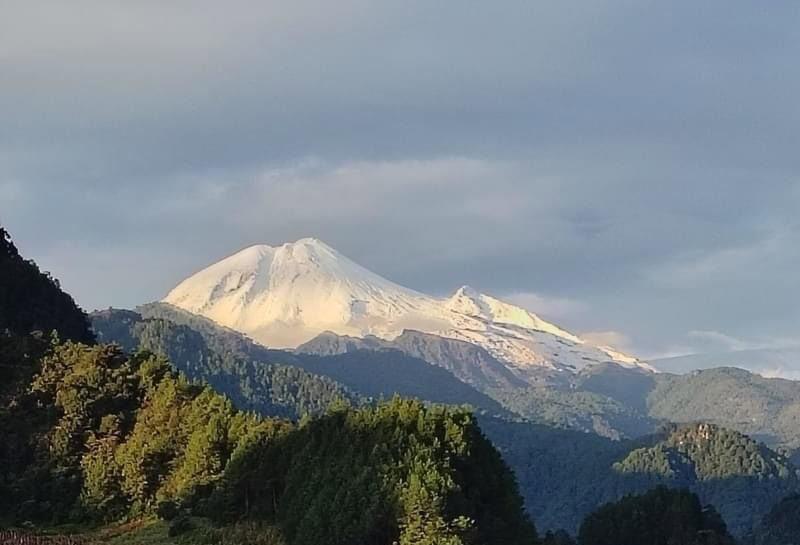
[[627, 167]]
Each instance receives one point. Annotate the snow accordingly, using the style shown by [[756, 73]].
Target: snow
[[286, 295]]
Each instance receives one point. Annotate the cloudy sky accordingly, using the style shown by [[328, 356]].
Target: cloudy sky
[[629, 169]]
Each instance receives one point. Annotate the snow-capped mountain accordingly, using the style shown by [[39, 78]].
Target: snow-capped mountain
[[286, 295]]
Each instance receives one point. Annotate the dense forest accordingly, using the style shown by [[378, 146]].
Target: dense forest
[[580, 471], [576, 410], [101, 436], [658, 517], [223, 360]]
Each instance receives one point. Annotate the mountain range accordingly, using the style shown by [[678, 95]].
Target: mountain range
[[575, 436]]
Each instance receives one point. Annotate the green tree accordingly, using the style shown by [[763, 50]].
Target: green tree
[[662, 516]]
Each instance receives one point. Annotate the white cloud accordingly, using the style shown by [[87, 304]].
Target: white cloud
[[444, 208], [377, 187]]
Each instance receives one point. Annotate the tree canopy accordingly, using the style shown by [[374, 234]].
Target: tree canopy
[[661, 516]]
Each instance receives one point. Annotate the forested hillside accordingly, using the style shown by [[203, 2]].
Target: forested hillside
[[240, 367], [31, 300], [706, 452], [765, 408], [659, 517], [722, 466], [100, 436], [225, 361], [32, 307], [579, 471], [575, 409], [468, 362]]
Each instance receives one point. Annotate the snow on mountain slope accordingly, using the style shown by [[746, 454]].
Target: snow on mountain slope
[[284, 296]]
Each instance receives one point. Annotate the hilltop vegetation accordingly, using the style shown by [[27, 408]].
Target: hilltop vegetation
[[31, 300], [658, 517], [705, 452], [426, 475]]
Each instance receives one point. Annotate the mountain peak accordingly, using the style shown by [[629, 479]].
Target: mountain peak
[[313, 241], [310, 251], [309, 243], [466, 291], [469, 301], [284, 296]]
